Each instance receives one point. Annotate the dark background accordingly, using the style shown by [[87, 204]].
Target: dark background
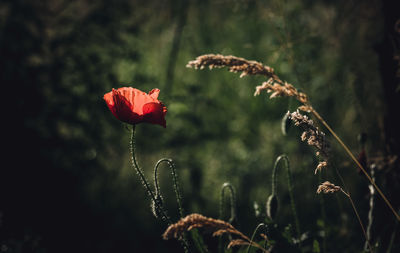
[[66, 184]]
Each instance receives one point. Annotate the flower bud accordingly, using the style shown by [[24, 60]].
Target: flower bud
[[272, 206], [285, 123]]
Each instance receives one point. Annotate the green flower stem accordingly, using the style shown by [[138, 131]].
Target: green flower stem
[[146, 185], [290, 187], [143, 178], [232, 201], [175, 181], [221, 208]]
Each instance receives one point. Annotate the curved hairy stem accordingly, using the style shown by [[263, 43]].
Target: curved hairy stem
[[144, 180], [290, 188], [316, 114], [232, 207], [175, 182], [146, 185], [232, 201]]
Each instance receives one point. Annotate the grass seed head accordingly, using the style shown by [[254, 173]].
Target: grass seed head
[[328, 187], [313, 136]]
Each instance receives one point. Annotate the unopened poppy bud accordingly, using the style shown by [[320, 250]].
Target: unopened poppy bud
[[285, 123], [272, 206]]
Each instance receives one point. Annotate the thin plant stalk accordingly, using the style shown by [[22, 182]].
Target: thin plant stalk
[[175, 183], [290, 188], [354, 208], [371, 207], [316, 114], [232, 207], [254, 234], [143, 178], [232, 202], [359, 219], [389, 249], [323, 213], [160, 209]]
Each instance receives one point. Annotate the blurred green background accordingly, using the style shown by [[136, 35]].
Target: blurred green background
[[66, 180]]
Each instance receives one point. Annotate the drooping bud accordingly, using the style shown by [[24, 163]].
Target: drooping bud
[[272, 206], [285, 123]]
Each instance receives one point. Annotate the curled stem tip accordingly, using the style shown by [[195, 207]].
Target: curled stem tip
[[232, 198], [272, 200], [177, 190]]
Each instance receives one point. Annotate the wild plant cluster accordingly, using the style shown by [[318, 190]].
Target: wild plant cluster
[[192, 229]]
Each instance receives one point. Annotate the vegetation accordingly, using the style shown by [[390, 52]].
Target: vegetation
[[67, 183]]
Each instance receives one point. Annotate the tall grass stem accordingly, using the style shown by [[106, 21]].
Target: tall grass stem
[[316, 114], [347, 193], [254, 234]]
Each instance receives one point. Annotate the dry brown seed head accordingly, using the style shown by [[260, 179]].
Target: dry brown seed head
[[328, 187], [199, 221], [234, 64], [237, 242], [313, 136], [321, 165]]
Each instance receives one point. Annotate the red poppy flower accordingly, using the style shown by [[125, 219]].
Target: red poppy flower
[[133, 106]]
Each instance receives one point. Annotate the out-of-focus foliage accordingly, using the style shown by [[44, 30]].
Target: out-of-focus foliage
[[66, 182]]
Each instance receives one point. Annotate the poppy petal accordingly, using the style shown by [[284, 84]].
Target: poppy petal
[[134, 106], [154, 93], [154, 113]]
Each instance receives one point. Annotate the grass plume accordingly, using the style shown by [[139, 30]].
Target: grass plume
[[215, 226], [234, 64], [313, 136]]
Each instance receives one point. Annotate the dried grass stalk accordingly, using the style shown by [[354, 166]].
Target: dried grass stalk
[[237, 242], [313, 136], [214, 226], [235, 64], [328, 187], [218, 227], [274, 85], [283, 89]]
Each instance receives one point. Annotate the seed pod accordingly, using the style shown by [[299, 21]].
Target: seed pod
[[272, 206], [285, 123]]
